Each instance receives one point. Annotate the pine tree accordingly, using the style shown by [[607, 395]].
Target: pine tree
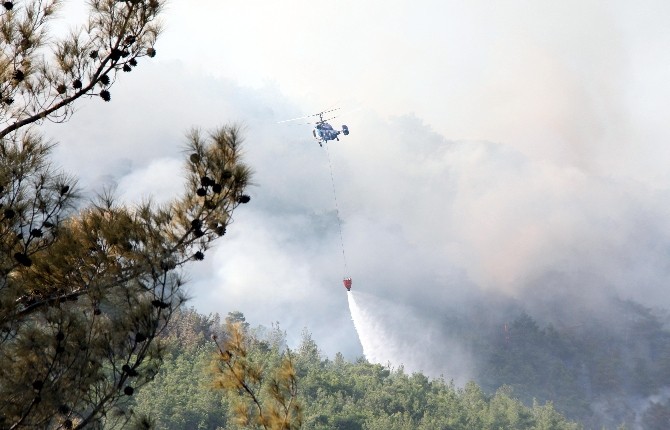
[[264, 396], [86, 288], [41, 76]]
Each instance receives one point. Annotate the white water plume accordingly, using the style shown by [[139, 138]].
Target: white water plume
[[377, 348], [391, 335]]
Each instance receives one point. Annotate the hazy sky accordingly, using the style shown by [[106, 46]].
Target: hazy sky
[[499, 146]]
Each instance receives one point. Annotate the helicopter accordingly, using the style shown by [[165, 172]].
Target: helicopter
[[323, 132]]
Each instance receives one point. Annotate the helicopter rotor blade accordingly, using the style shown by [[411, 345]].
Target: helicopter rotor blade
[[301, 123], [342, 113], [295, 119], [320, 114], [326, 111]]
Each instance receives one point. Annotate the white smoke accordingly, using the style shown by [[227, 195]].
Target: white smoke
[[643, 405]]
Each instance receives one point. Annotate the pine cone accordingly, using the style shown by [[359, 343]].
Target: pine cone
[[115, 55], [23, 259]]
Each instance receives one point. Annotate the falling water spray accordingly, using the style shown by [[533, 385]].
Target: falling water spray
[[377, 348], [393, 335]]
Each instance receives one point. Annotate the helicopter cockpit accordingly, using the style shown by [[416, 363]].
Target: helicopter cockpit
[[324, 132]]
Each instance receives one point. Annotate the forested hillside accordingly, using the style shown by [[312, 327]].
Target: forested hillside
[[599, 368], [595, 372], [334, 394]]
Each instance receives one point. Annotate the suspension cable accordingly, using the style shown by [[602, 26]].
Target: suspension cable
[[337, 209]]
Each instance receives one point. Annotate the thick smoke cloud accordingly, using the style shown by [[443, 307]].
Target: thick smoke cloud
[[518, 151], [426, 221]]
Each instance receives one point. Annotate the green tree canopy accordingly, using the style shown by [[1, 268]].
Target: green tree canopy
[[335, 394]]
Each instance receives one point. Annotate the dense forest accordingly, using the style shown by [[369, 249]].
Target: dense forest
[[334, 394], [529, 377], [602, 369]]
